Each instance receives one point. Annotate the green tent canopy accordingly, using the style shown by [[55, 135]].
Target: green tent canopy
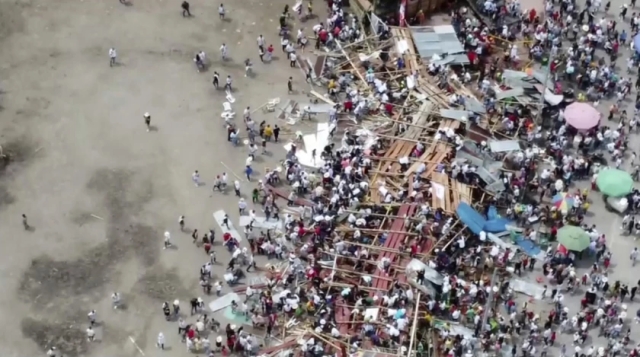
[[614, 182], [574, 238]]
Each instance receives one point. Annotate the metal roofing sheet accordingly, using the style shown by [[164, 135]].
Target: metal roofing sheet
[[515, 92], [517, 83], [474, 105], [430, 41], [426, 37], [541, 76], [448, 37], [460, 59], [508, 73], [461, 115], [504, 145], [444, 61]]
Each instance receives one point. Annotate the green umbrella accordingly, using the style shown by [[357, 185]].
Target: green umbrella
[[573, 238], [614, 182]]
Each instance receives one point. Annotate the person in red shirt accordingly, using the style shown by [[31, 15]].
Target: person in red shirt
[[207, 247], [348, 106], [388, 107], [191, 333], [269, 52], [323, 35]]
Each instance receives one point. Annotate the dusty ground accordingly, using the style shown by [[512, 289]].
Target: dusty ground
[[74, 130]]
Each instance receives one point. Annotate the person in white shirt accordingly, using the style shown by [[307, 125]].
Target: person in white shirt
[[92, 317], [115, 299], [227, 85], [223, 51], [195, 177], [112, 57], [160, 343], [236, 187], [242, 206], [261, 42], [167, 240], [292, 58], [91, 334], [221, 12]]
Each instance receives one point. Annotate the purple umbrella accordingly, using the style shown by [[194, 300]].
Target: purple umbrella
[[582, 116]]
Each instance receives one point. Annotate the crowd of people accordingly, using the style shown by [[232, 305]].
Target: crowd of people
[[468, 293]]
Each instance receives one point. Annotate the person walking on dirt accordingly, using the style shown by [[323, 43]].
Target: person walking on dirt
[[181, 222], [176, 308], [115, 299], [167, 240], [147, 121], [112, 57], [216, 79], [227, 85], [92, 317], [91, 334], [223, 51], [161, 341], [25, 224], [185, 9], [221, 12], [195, 177]]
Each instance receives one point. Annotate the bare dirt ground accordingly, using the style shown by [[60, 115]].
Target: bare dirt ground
[[98, 189]]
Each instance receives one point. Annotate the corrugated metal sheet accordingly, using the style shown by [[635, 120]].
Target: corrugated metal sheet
[[474, 105], [541, 76], [517, 83], [504, 145], [460, 59], [444, 61], [515, 92], [436, 40], [511, 74], [461, 115]]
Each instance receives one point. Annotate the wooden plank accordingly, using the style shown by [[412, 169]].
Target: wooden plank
[[299, 201]]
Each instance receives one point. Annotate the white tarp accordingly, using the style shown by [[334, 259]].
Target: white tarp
[[529, 289], [376, 22], [430, 274], [553, 99], [260, 223], [223, 301], [402, 46], [218, 216], [497, 146]]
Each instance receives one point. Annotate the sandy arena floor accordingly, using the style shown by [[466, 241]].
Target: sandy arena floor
[[74, 129]]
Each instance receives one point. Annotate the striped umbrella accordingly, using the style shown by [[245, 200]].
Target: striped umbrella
[[563, 201]]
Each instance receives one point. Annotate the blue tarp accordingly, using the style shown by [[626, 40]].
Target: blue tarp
[[470, 217], [477, 223], [527, 246]]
